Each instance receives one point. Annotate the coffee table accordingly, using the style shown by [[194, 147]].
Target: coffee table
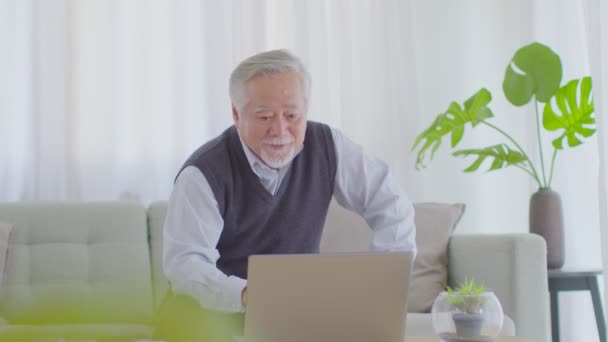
[[436, 339]]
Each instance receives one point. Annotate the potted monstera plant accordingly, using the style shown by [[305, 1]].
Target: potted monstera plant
[[566, 111]]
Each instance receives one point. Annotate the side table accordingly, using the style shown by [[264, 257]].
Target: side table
[[575, 280]]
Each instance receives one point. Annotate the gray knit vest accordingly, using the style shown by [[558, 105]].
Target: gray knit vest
[[255, 221]]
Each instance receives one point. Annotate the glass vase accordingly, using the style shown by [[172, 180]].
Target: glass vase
[[467, 318]]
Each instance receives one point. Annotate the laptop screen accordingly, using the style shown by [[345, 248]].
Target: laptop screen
[[353, 297]]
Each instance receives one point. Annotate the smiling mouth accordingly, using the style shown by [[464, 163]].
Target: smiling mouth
[[277, 146]]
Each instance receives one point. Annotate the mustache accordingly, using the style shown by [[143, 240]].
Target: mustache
[[279, 141]]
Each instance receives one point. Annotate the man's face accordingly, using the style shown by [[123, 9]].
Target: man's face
[[273, 120]]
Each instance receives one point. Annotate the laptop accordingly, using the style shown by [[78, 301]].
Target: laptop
[[349, 297]]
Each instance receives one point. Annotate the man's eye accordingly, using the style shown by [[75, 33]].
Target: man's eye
[[292, 115], [264, 118]]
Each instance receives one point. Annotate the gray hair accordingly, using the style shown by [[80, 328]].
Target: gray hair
[[266, 63]]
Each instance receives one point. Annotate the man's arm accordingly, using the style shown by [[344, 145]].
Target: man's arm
[[191, 232], [365, 185]]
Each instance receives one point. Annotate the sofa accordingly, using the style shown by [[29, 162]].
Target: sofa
[[93, 271]]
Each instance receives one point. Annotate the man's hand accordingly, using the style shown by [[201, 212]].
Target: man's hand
[[244, 296]]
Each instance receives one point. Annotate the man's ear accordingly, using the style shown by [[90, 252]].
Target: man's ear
[[235, 114]]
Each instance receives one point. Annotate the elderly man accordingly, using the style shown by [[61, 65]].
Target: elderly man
[[264, 186]]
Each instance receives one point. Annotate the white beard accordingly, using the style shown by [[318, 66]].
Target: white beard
[[278, 159]]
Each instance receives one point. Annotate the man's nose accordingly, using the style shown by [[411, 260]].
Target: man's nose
[[279, 125]]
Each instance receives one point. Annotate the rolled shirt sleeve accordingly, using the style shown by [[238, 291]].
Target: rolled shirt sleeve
[[192, 230], [364, 184]]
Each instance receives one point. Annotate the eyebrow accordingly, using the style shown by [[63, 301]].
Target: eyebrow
[[260, 109]]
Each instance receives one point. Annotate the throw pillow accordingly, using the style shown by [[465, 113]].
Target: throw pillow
[[435, 223]]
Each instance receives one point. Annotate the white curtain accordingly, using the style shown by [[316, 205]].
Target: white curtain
[[104, 99], [596, 13]]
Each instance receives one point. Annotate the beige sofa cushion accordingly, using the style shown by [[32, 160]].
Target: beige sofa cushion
[[435, 222]]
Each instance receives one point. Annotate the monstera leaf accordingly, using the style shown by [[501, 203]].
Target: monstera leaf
[[501, 154], [453, 122], [534, 70], [534, 73], [575, 116]]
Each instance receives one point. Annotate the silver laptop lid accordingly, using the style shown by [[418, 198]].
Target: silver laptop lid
[[327, 297]]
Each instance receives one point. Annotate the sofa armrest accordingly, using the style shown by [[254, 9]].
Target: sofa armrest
[[514, 266]]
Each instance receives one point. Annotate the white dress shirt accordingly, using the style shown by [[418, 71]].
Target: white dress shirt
[[193, 223]]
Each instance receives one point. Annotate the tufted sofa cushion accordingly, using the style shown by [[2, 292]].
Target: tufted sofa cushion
[[80, 262]]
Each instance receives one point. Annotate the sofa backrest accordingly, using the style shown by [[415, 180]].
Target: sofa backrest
[[84, 262]]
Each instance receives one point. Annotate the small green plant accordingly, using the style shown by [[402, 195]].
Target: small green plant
[[533, 74], [468, 296]]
